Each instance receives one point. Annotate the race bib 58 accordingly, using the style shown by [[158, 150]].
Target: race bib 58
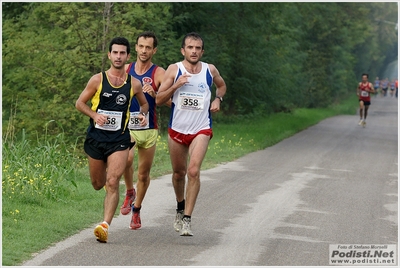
[[134, 122], [113, 122]]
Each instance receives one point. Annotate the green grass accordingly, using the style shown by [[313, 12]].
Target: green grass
[[44, 185], [29, 227], [47, 195]]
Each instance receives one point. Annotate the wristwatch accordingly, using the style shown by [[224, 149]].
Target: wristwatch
[[220, 98]]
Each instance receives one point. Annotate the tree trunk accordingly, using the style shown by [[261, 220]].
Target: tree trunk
[[106, 18]]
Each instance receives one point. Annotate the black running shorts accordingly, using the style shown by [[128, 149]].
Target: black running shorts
[[366, 103], [102, 150]]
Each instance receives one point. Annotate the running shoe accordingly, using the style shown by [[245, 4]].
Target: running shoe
[[186, 231], [127, 205], [360, 123], [101, 232], [178, 220], [364, 123], [135, 221]]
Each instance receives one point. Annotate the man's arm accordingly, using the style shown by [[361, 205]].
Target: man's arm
[[168, 87], [159, 77], [371, 86], [85, 96], [221, 88], [144, 106]]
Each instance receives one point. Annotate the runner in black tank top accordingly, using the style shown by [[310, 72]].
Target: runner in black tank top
[[107, 142]]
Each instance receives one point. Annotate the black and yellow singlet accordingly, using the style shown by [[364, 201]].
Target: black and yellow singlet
[[113, 102]]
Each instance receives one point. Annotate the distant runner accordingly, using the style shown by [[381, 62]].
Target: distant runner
[[363, 92], [392, 87], [377, 85], [385, 85]]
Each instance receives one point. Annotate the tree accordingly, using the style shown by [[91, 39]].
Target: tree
[[50, 53], [274, 57]]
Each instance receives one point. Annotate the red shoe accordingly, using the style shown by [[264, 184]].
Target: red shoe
[[127, 205], [135, 221]]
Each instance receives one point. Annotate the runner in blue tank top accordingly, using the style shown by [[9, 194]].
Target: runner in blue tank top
[[145, 137], [385, 86], [377, 84]]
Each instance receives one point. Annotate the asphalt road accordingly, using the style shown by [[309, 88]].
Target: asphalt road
[[333, 183]]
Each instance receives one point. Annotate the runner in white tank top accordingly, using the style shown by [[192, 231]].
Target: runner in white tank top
[[188, 83], [191, 103]]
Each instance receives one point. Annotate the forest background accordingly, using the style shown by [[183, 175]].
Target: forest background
[[274, 56]]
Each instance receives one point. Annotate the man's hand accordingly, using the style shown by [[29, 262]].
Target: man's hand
[[215, 106], [142, 119], [100, 119], [182, 80], [147, 88]]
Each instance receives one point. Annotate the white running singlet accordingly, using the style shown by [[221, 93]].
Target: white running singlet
[[190, 110]]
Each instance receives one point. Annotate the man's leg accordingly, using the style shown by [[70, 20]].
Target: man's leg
[[98, 177], [146, 156], [115, 168], [145, 161], [97, 170], [366, 106], [128, 172], [366, 112], [128, 178], [178, 155], [197, 151], [361, 111], [116, 164]]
